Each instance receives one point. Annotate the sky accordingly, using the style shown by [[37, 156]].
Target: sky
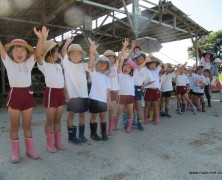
[[206, 13]]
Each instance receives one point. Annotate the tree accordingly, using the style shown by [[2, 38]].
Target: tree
[[213, 42]]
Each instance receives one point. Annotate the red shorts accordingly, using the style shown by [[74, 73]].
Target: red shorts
[[20, 98], [126, 99], [152, 94], [114, 95], [53, 97], [181, 90]]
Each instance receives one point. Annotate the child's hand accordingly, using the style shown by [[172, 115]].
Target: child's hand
[[197, 44], [69, 39], [126, 42], [133, 43], [93, 45], [38, 33], [148, 58], [45, 32]]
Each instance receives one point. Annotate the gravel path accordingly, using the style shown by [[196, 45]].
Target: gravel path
[[184, 146]]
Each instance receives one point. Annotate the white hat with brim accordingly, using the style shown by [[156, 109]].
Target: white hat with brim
[[76, 47], [217, 60], [19, 42], [47, 46], [109, 53], [104, 59]]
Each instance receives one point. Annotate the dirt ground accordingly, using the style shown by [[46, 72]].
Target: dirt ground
[[184, 146]]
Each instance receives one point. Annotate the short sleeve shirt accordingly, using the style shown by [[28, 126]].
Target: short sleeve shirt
[[19, 74]]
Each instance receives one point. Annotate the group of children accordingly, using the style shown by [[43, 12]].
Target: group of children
[[122, 80]]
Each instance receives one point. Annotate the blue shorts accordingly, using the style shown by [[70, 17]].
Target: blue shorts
[[138, 93]]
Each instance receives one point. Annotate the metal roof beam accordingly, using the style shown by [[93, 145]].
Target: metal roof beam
[[123, 12]]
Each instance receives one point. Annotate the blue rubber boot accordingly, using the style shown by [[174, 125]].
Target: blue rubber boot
[[72, 135], [81, 136], [140, 125], [124, 119], [134, 119]]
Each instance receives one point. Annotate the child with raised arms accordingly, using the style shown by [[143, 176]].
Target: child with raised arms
[[18, 59], [76, 86], [47, 53]]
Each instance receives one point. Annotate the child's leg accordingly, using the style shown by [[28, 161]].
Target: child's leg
[[26, 124], [14, 116], [57, 119], [72, 130], [93, 127], [111, 117], [102, 117], [156, 111], [57, 128], [81, 136], [121, 108], [129, 109], [183, 105], [167, 100], [162, 103], [203, 103], [189, 101], [138, 108], [178, 103], [70, 118], [50, 116], [146, 110]]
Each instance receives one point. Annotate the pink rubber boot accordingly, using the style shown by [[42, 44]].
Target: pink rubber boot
[[156, 118], [30, 151], [58, 143], [115, 122], [145, 121], [15, 151], [50, 146], [129, 126]]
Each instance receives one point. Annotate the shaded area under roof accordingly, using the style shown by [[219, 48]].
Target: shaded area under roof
[[162, 21]]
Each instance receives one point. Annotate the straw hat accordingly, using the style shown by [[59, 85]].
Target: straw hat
[[109, 53], [104, 59], [47, 46], [77, 47], [217, 60], [19, 42]]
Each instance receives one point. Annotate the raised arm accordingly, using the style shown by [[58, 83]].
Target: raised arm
[[67, 43], [93, 51], [197, 46], [125, 45], [2, 51], [42, 36], [144, 62], [131, 51]]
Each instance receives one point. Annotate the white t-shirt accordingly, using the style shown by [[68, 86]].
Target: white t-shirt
[[75, 78], [126, 84], [207, 80], [100, 86], [141, 76], [19, 74], [53, 74], [166, 82], [114, 77], [182, 80], [191, 81], [199, 80], [156, 77]]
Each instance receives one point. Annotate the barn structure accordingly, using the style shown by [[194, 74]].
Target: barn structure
[[107, 22]]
